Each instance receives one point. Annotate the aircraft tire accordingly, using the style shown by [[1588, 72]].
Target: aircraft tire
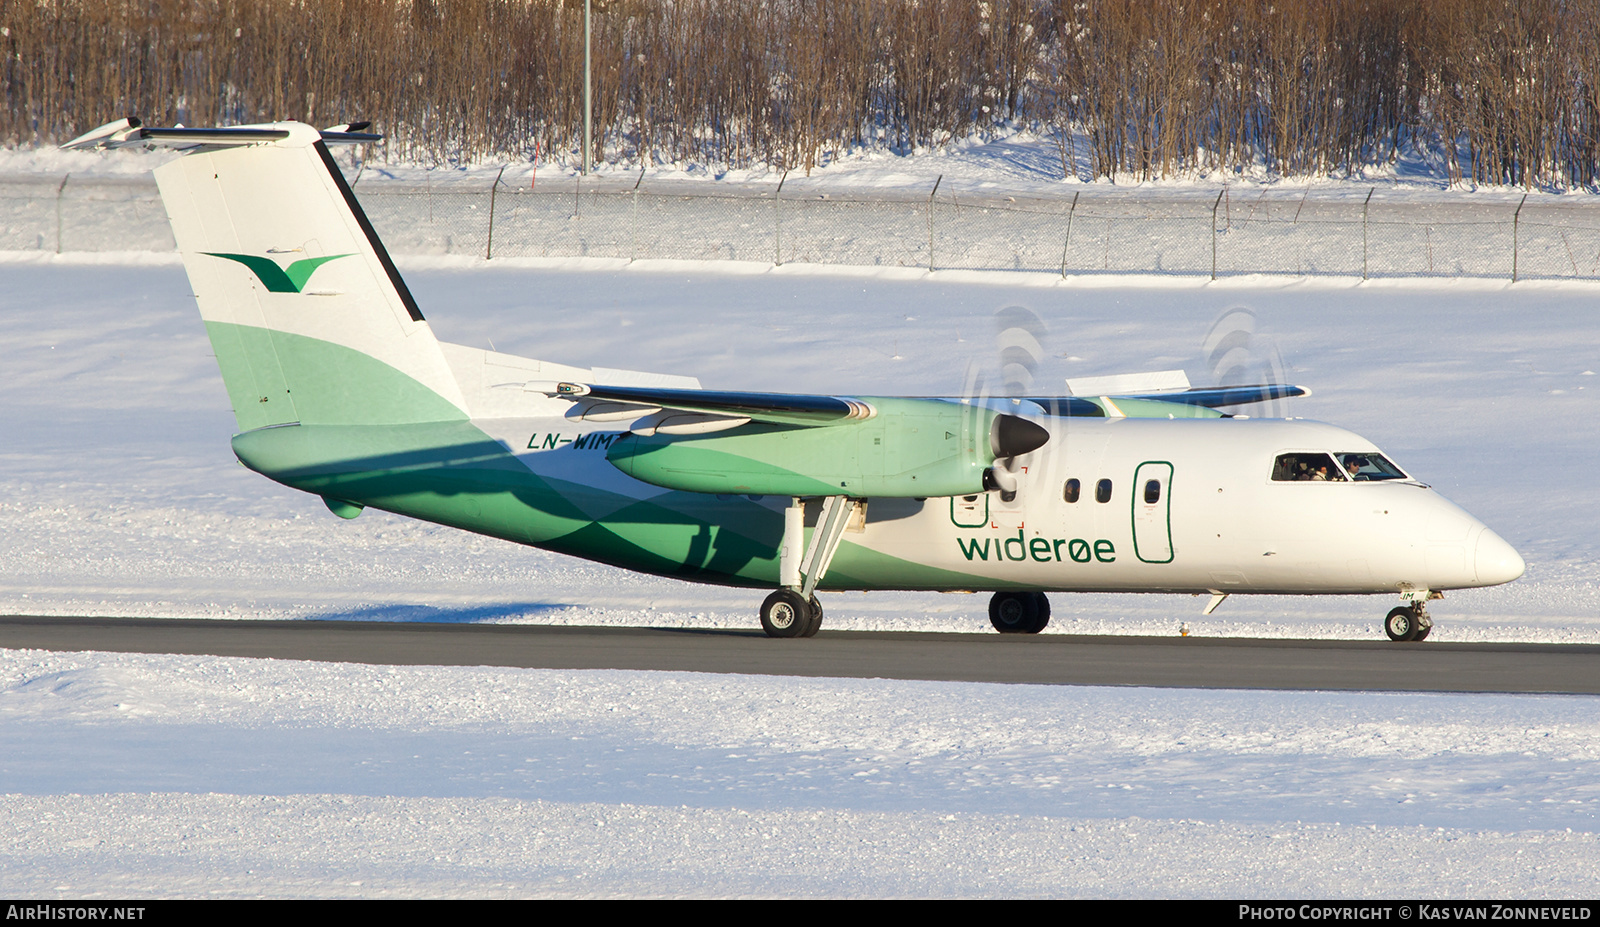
[[785, 614], [1019, 612], [1402, 625], [1424, 626], [1044, 613], [815, 624]]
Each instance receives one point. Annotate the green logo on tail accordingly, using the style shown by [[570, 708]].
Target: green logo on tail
[[291, 279]]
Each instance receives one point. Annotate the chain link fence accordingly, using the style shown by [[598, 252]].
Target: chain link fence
[[1270, 232], [66, 213]]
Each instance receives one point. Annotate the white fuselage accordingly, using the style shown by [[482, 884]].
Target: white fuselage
[[1219, 524]]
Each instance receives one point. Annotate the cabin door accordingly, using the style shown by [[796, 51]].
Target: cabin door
[[1152, 512]]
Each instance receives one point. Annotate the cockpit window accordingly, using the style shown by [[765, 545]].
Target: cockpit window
[[1364, 468], [1306, 467]]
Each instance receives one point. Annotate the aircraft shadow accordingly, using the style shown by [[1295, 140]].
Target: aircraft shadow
[[433, 614]]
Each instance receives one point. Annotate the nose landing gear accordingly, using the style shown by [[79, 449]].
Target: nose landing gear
[[1408, 623]]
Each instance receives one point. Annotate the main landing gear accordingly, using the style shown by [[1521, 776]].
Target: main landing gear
[[785, 614], [793, 611], [1019, 612], [1408, 623]]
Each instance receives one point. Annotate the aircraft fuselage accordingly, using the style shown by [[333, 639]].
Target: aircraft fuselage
[[1161, 506]]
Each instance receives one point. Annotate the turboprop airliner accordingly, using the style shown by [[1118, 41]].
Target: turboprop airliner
[[340, 389]]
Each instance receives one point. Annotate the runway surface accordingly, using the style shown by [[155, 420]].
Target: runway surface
[[1051, 659]]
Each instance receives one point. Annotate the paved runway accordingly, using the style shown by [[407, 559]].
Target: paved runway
[[1052, 659]]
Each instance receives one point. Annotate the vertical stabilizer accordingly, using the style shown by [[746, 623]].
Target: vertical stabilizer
[[310, 321]]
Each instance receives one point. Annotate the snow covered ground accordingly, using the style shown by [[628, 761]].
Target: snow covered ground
[[159, 776], [147, 776]]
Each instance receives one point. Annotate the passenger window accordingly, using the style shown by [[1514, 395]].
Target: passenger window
[[1069, 492], [1152, 492], [1306, 468], [1102, 491]]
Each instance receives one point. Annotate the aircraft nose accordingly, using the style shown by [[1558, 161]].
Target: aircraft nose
[[1497, 561]]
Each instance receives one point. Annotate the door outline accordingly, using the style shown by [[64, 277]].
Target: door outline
[[976, 520], [1164, 517]]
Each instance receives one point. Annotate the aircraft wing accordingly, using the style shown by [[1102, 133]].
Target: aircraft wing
[[774, 408], [1208, 396], [815, 410], [691, 440], [1213, 396]]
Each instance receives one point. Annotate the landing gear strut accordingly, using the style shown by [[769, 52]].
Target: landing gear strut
[[1019, 612], [793, 611], [1408, 623]]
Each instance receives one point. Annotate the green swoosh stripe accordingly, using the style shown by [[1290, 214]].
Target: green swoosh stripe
[[277, 279], [300, 271]]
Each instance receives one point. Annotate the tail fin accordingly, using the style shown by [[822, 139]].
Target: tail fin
[[310, 321]]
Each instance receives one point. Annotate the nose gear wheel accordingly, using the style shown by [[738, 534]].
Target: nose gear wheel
[[1408, 623]]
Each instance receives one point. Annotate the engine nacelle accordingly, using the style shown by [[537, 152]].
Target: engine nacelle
[[909, 448]]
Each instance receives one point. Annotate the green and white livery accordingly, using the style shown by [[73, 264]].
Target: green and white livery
[[341, 389]]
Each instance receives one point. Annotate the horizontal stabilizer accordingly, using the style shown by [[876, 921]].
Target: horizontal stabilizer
[[132, 133]]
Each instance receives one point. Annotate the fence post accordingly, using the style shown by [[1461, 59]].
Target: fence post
[[633, 232], [1516, 220], [1068, 242], [1214, 230], [488, 248], [59, 191], [777, 233], [930, 220], [1364, 232]]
